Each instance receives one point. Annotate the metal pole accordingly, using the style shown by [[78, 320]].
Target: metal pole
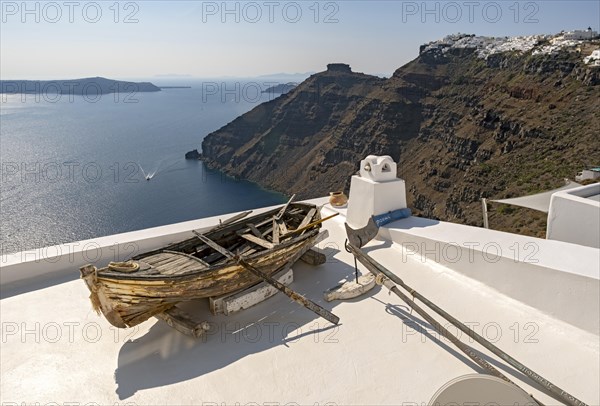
[[377, 268], [441, 329], [485, 212]]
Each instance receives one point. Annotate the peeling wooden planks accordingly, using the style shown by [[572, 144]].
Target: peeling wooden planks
[[153, 259], [137, 297], [275, 232], [309, 216], [193, 258], [279, 215], [258, 241], [254, 230], [282, 227], [215, 246]]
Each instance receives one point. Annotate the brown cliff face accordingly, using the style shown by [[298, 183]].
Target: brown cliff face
[[461, 128]]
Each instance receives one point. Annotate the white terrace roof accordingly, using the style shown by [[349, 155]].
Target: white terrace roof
[[538, 201], [56, 349]]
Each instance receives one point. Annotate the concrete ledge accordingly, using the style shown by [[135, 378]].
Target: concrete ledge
[[561, 279], [574, 216]]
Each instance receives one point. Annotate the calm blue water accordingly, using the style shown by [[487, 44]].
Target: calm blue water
[[74, 169]]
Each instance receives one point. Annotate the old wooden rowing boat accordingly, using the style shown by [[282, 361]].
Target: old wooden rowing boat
[[151, 283]]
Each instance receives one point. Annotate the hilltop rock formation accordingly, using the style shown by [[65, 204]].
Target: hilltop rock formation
[[461, 126], [339, 67]]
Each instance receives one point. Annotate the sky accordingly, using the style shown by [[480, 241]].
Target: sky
[[204, 39]]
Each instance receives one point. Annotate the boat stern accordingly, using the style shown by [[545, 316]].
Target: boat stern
[[100, 302]]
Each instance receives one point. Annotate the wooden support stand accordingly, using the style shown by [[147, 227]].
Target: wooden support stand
[[241, 300], [351, 289], [313, 257], [184, 322]]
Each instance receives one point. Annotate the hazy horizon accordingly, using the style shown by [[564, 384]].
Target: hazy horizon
[[282, 75], [144, 39]]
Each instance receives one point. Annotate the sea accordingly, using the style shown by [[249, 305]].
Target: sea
[[75, 167]]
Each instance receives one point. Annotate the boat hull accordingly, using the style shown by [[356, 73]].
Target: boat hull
[[128, 300]]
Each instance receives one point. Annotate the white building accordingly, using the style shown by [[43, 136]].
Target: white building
[[574, 215], [580, 34], [593, 59], [593, 173]]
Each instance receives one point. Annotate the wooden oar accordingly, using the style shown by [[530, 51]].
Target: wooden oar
[[378, 269], [326, 314], [314, 223], [440, 329]]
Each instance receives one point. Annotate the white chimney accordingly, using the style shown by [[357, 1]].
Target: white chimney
[[375, 191]]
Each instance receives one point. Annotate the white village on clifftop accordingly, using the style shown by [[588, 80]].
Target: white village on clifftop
[[537, 44]]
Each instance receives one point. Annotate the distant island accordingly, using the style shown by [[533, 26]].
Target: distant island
[[81, 87], [281, 88]]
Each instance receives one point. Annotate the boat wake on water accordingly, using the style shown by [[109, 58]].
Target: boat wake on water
[[172, 166], [148, 175]]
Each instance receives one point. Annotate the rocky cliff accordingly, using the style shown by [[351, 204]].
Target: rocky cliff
[[461, 127]]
